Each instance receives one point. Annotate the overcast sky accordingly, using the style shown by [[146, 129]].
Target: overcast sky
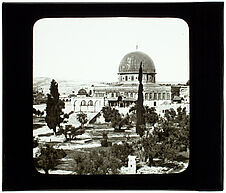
[[91, 49]]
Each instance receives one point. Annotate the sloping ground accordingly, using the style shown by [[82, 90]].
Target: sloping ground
[[92, 139], [73, 119]]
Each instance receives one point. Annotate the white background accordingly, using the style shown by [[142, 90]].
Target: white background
[[91, 49]]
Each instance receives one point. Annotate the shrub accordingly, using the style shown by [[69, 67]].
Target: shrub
[[35, 142], [48, 158], [122, 151], [104, 143], [82, 118], [96, 162]]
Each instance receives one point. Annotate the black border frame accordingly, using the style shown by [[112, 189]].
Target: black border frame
[[205, 171]]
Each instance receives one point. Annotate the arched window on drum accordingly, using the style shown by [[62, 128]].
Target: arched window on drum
[[150, 96], [83, 103], [146, 96], [168, 96], [155, 96], [90, 103], [159, 96], [163, 96]]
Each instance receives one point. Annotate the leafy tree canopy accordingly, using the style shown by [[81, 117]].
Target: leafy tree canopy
[[54, 107], [96, 162], [49, 158], [82, 118]]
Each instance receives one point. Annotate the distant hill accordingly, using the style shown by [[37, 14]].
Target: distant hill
[[64, 86], [67, 86]]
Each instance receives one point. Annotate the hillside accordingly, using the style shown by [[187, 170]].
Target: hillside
[[64, 86]]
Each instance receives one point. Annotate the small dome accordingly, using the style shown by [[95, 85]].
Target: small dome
[[131, 63], [82, 92]]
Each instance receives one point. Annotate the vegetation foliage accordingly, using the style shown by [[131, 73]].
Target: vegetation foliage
[[82, 118], [38, 112], [113, 116], [54, 107], [70, 132], [168, 137], [49, 158], [96, 162], [122, 151]]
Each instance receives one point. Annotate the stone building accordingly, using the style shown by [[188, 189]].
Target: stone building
[[124, 93]]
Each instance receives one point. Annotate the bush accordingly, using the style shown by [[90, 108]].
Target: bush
[[35, 142], [37, 126], [122, 151], [60, 153], [109, 144], [104, 143], [70, 132], [49, 158], [82, 118], [96, 162]]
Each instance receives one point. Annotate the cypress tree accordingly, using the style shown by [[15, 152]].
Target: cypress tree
[[54, 107], [140, 125]]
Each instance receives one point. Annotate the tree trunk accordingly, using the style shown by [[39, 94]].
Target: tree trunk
[[150, 163], [54, 131], [65, 135], [46, 171]]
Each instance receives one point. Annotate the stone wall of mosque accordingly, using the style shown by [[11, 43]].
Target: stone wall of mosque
[[88, 104], [133, 78]]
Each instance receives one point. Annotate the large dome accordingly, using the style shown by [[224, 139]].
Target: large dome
[[131, 63]]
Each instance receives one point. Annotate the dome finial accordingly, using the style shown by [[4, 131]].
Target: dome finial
[[137, 46]]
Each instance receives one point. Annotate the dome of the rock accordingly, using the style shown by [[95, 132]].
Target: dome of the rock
[[129, 68], [131, 63]]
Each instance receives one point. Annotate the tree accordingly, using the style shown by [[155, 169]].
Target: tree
[[96, 162], [49, 158], [169, 136], [107, 113], [151, 147], [116, 119], [35, 142], [34, 111], [132, 115], [183, 125], [113, 116], [174, 133], [122, 151], [150, 115], [54, 107], [42, 113], [170, 115], [70, 132], [82, 118], [104, 141], [140, 125]]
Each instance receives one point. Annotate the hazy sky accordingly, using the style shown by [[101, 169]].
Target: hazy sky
[[91, 49]]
